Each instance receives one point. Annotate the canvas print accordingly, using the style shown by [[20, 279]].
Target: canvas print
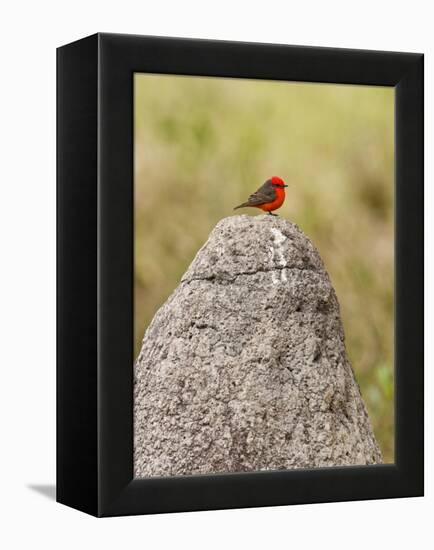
[[263, 275]]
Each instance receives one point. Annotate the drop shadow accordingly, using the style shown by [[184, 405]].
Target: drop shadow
[[48, 491]]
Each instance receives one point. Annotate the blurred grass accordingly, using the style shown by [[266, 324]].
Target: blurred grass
[[202, 145]]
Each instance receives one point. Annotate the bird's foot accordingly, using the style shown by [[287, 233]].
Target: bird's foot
[[271, 213]]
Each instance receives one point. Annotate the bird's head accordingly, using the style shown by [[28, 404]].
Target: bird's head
[[278, 182]]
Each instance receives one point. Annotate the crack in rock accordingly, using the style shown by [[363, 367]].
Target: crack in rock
[[231, 278]]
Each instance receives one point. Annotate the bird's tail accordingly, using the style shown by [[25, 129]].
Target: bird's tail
[[242, 205]]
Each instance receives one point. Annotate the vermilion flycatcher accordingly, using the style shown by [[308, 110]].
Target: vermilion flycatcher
[[270, 196]]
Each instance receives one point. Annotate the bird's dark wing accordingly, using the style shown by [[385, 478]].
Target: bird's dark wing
[[266, 193]]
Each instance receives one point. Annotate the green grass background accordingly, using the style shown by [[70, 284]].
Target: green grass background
[[202, 145]]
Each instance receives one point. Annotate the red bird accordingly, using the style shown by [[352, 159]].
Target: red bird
[[270, 196]]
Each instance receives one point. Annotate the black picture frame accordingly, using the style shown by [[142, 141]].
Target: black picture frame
[[95, 274]]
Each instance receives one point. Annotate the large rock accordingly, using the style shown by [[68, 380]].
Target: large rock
[[244, 367]]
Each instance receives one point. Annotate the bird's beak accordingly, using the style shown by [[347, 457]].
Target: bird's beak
[[285, 185]]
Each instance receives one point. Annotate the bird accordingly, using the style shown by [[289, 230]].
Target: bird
[[270, 196]]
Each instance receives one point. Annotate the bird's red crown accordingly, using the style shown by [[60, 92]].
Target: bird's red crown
[[277, 181]]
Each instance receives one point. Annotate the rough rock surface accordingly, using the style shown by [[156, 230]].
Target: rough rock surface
[[244, 367]]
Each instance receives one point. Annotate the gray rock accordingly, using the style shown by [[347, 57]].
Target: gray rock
[[244, 367]]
